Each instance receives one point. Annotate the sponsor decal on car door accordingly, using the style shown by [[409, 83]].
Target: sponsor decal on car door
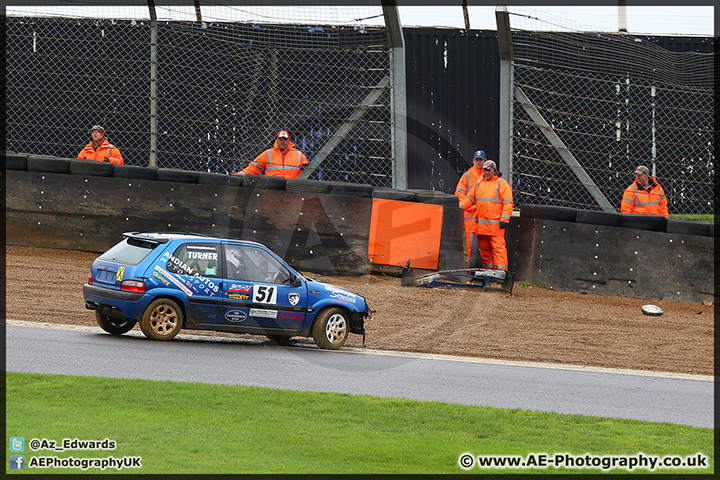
[[194, 270], [258, 291]]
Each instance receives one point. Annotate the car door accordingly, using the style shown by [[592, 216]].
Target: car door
[[258, 290], [195, 269]]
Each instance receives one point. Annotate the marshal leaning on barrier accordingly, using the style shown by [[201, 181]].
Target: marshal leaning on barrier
[[283, 160], [645, 195], [100, 149]]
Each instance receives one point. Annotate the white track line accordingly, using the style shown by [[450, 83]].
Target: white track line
[[391, 353]]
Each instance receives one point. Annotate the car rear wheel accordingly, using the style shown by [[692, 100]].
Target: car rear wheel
[[112, 325], [162, 319], [331, 328]]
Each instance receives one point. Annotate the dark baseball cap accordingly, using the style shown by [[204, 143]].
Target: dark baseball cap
[[480, 154]]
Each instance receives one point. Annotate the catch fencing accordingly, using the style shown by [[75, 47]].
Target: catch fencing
[[202, 95], [589, 107]]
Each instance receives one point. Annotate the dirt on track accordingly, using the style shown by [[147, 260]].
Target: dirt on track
[[533, 324]]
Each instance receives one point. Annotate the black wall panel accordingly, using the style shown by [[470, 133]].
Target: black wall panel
[[453, 105]]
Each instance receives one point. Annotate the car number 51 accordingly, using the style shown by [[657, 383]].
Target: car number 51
[[265, 294]]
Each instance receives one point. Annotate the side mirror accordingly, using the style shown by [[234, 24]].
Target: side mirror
[[295, 280]]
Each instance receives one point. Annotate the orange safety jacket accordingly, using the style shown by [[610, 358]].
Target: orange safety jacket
[[464, 185], [646, 202], [493, 201], [105, 150], [278, 163]]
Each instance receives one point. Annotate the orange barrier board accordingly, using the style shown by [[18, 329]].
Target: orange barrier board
[[405, 230]]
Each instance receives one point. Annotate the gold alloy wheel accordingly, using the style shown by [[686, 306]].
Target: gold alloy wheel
[[163, 319]]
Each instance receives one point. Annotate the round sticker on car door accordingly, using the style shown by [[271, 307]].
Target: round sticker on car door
[[293, 298], [235, 316]]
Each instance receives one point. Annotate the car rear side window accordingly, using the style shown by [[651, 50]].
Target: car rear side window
[[130, 251], [196, 259]]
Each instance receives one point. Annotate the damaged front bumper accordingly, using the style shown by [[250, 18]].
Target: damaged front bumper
[[481, 278]]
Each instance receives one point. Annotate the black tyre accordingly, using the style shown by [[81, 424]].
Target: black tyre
[[161, 320], [394, 194], [331, 328], [279, 339], [438, 199], [175, 175], [114, 326], [548, 212], [207, 178], [686, 227], [48, 164], [91, 167], [134, 171], [15, 161], [251, 181], [264, 181], [593, 217], [351, 189], [653, 223], [422, 191], [271, 183], [526, 211], [301, 185]]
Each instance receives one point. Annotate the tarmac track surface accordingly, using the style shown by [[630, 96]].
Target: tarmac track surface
[[87, 351], [534, 324]]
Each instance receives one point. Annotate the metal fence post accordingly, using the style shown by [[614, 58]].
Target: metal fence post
[[398, 93], [505, 163], [153, 83]]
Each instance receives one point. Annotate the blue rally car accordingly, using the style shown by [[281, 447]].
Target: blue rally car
[[170, 281]]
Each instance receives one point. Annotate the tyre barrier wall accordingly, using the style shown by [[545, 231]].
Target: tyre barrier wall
[[318, 226], [641, 256], [323, 226]]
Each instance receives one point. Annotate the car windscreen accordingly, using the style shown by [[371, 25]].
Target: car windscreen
[[130, 251]]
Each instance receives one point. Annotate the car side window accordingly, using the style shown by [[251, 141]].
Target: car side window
[[254, 265], [196, 259], [235, 266]]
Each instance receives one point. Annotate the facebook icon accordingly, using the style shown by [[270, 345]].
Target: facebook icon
[[17, 462]]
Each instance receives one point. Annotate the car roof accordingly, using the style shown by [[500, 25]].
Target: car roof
[[163, 237]]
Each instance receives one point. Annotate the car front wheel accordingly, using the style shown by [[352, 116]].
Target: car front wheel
[[331, 328], [112, 325], [162, 319]]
